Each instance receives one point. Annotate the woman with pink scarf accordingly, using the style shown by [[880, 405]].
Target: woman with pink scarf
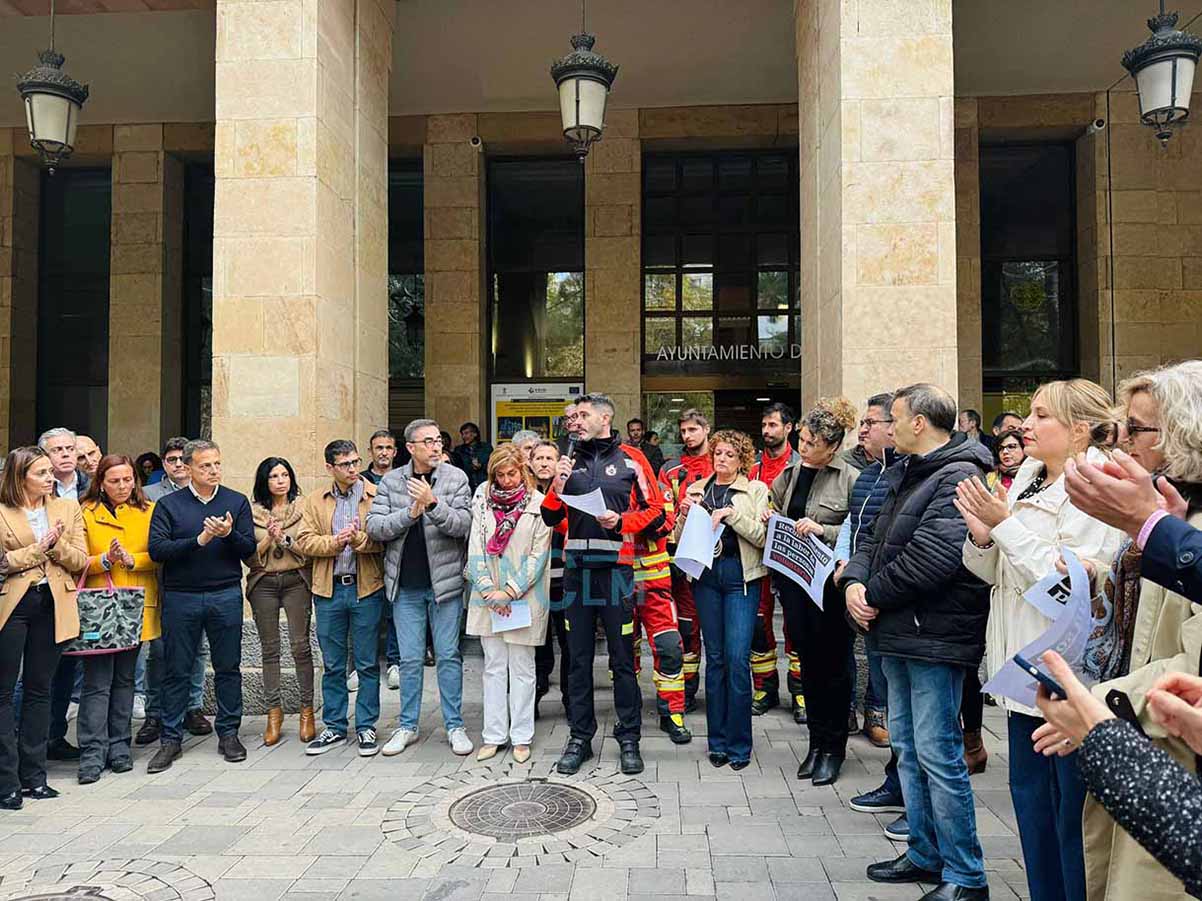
[[508, 569]]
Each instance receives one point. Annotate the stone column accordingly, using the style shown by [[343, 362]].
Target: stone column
[[19, 214], [300, 229], [612, 259], [878, 244], [453, 188], [968, 255], [145, 296]]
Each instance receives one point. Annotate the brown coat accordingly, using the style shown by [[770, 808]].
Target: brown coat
[[829, 498], [265, 559], [27, 565], [315, 539]]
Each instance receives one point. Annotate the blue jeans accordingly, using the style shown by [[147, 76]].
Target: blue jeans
[[344, 614], [924, 728], [1048, 795], [411, 611], [727, 613], [156, 673], [187, 616], [875, 692]]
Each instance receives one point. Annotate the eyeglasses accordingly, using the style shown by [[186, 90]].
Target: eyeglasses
[[174, 460], [1009, 448], [1134, 428], [429, 442], [869, 423], [348, 465]]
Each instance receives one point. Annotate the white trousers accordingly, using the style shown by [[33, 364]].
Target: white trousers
[[508, 692]]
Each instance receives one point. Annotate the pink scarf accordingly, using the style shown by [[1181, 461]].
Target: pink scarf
[[507, 507]]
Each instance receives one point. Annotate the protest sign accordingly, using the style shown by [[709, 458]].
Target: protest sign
[[807, 561], [1066, 636]]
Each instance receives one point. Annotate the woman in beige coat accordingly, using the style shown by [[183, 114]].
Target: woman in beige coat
[[509, 573], [44, 550], [1142, 630]]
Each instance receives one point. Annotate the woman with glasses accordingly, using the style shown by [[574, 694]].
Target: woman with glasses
[[1008, 456], [278, 580], [1141, 631]]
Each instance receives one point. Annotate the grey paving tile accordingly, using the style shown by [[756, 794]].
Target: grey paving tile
[[251, 889], [203, 840], [599, 885], [747, 839], [384, 890], [552, 879], [745, 891]]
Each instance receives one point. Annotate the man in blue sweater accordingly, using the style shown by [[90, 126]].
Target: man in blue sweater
[[200, 536]]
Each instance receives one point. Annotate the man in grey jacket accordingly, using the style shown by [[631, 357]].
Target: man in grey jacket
[[421, 514]]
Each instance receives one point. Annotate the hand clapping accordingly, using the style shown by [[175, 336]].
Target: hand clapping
[[1175, 701], [53, 534], [119, 554], [982, 511]]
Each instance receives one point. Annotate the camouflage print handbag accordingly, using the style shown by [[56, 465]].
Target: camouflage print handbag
[[110, 619]]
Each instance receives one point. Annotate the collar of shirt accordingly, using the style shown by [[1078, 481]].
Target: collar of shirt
[[69, 489], [203, 500]]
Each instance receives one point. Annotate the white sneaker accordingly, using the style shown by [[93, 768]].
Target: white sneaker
[[72, 710], [352, 682], [460, 743], [401, 739], [139, 707], [394, 677]]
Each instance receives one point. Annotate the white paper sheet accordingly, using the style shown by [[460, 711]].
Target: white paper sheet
[[1050, 594], [1067, 636], [806, 561], [695, 550], [519, 617], [592, 503]]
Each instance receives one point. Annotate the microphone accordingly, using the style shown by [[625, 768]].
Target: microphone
[[571, 446]]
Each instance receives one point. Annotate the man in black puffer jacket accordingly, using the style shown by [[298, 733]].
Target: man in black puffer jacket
[[925, 615]]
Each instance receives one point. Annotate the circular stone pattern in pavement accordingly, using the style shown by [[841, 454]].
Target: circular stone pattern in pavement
[[521, 809], [519, 815], [105, 880]]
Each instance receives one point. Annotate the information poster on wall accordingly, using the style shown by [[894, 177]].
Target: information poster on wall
[[537, 407]]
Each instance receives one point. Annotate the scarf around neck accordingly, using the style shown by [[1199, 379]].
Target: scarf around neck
[[506, 507]]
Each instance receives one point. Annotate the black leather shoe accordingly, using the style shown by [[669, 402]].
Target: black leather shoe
[[121, 765], [630, 760], [574, 756], [948, 892], [737, 765], [11, 801], [229, 747], [167, 754], [41, 793], [799, 710], [901, 870], [87, 777], [61, 749], [151, 729], [718, 759], [690, 704], [677, 731], [826, 768], [761, 705], [196, 724], [806, 770]]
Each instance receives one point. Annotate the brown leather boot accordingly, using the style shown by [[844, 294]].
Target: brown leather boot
[[975, 754], [275, 722], [308, 725]]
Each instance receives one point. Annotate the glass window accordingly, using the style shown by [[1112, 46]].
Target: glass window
[[734, 221], [662, 412], [406, 279], [1028, 265], [536, 269], [73, 302], [199, 186]]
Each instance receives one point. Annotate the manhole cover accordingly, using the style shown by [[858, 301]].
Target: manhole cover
[[522, 809]]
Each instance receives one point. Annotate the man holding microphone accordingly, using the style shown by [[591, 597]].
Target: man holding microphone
[[599, 575]]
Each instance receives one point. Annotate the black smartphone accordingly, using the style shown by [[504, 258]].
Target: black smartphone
[[1041, 677]]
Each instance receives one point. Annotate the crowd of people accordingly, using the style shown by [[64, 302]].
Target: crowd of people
[[938, 532]]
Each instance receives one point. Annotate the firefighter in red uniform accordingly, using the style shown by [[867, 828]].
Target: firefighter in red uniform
[[676, 476], [775, 427]]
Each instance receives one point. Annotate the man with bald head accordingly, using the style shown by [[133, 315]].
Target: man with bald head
[[87, 454]]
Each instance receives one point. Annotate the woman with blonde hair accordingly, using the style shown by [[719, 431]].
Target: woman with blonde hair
[[728, 592], [1014, 539], [816, 494], [44, 552], [1141, 630], [509, 575]]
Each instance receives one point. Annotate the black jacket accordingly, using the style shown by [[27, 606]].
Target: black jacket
[[931, 607]]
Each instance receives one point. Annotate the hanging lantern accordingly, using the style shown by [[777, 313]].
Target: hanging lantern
[[53, 100], [583, 79], [1163, 69]]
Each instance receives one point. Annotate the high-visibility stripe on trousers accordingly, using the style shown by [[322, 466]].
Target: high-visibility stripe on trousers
[[655, 612]]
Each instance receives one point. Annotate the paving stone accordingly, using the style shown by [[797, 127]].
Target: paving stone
[[740, 869], [203, 840], [747, 839]]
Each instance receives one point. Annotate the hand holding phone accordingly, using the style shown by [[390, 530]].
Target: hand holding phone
[[1041, 677]]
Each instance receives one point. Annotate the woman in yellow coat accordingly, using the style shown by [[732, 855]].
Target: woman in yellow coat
[[117, 519]]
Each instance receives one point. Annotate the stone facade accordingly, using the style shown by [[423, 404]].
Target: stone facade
[[20, 190], [300, 230], [877, 196]]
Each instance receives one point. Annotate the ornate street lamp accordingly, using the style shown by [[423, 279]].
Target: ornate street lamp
[[53, 100], [583, 79], [1163, 69]]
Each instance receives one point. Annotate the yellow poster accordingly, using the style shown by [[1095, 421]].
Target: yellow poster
[[530, 406]]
